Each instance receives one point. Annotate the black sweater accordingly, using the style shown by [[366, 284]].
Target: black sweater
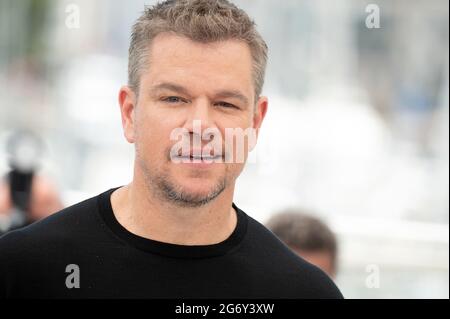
[[84, 252]]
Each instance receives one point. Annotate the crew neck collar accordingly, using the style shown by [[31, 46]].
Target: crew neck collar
[[166, 249]]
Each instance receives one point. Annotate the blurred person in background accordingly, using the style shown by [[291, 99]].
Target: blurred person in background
[[25, 196], [308, 236]]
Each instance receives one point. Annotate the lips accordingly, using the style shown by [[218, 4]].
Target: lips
[[205, 158], [199, 156]]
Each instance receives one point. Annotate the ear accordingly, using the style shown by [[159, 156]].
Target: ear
[[128, 103], [258, 116]]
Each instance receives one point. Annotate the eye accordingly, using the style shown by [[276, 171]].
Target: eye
[[226, 105], [173, 99]]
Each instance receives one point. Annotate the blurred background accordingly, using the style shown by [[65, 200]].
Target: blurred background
[[357, 130]]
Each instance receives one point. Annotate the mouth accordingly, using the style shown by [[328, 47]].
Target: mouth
[[198, 158]]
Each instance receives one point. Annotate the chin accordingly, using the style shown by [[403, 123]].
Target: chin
[[197, 187], [200, 184]]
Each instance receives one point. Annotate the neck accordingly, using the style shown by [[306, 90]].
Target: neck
[[143, 214]]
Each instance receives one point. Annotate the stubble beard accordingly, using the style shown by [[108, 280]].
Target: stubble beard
[[166, 189]]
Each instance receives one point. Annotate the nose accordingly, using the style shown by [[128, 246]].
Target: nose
[[199, 117], [202, 128]]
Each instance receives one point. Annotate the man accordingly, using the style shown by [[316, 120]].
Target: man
[[174, 231], [309, 237]]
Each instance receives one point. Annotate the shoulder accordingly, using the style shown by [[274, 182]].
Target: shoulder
[[303, 280], [35, 254]]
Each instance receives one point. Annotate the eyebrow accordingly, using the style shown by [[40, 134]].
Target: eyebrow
[[232, 94], [170, 87], [220, 94]]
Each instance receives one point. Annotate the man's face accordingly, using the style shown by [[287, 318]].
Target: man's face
[[189, 81]]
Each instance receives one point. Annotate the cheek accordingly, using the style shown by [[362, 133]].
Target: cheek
[[153, 136], [237, 141], [233, 171]]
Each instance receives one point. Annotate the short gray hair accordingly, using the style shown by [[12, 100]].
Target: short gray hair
[[203, 21]]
